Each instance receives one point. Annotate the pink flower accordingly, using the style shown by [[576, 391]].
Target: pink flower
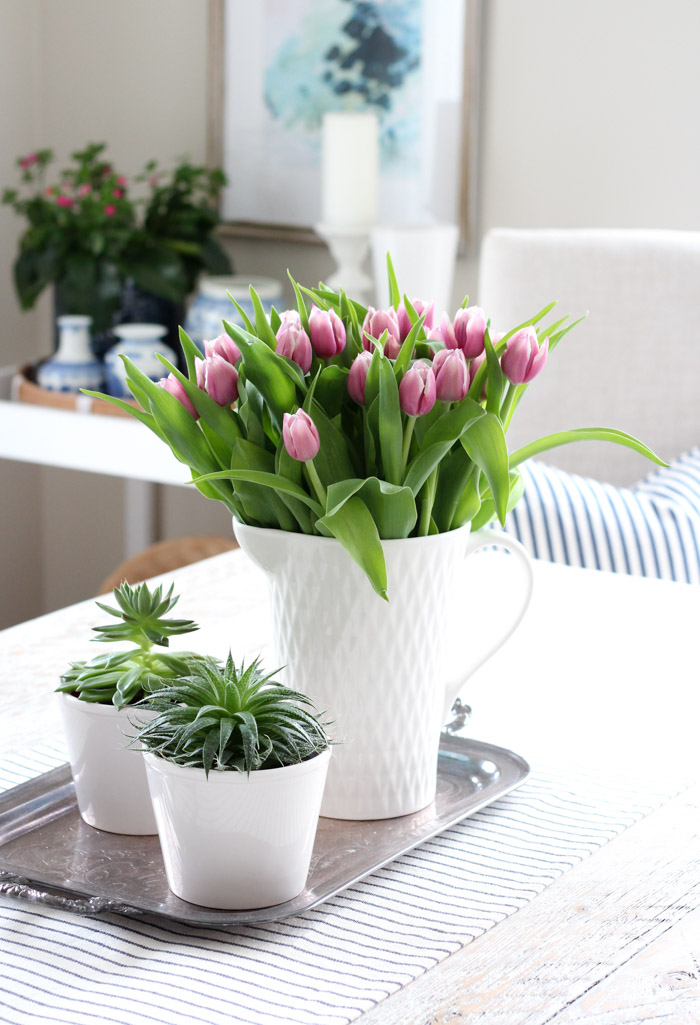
[[49, 191], [421, 308], [121, 180], [223, 346], [29, 160], [473, 368], [451, 375], [153, 180], [110, 210], [300, 436], [417, 391], [327, 332], [84, 189], [375, 324], [293, 341], [64, 201], [466, 332], [172, 385], [524, 358], [117, 193], [357, 378], [219, 379]]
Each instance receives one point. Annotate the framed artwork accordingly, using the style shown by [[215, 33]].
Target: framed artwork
[[278, 65]]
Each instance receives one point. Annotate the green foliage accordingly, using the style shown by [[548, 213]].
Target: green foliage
[[89, 231], [125, 677], [231, 717], [379, 473]]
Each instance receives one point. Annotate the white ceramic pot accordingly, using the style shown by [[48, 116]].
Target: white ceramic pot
[[235, 841], [379, 670], [110, 777]]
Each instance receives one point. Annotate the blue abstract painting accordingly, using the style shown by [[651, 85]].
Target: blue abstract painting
[[327, 55]]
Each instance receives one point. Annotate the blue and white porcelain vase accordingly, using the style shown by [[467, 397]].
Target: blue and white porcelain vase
[[73, 366], [211, 305], [140, 342]]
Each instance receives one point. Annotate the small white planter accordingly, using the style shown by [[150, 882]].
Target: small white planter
[[234, 841], [110, 777]]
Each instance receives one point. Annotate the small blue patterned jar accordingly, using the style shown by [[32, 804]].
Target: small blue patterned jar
[[211, 305], [140, 342], [73, 366]]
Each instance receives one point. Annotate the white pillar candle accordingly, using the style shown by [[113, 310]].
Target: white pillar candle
[[349, 169]]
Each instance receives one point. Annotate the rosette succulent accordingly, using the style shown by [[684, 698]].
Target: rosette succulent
[[231, 717], [125, 677]]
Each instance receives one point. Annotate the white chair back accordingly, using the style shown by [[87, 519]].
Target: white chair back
[[634, 364]]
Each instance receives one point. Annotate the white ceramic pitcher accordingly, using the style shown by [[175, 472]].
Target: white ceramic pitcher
[[377, 669]]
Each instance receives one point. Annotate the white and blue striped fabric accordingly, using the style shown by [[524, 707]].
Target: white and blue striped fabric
[[325, 967], [651, 529]]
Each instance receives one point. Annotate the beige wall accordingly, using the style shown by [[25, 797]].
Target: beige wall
[[589, 115]]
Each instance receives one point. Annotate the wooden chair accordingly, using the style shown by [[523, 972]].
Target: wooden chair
[[164, 557]]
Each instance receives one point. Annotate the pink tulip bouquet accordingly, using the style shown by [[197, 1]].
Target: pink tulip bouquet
[[355, 423]]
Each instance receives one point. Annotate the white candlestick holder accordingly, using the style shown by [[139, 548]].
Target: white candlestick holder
[[349, 247]]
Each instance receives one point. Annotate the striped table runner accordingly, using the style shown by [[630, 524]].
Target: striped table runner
[[328, 965]]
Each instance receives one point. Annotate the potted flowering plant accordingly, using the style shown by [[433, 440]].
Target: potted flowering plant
[[97, 699], [89, 233], [355, 444], [236, 766]]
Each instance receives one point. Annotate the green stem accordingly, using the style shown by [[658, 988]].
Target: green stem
[[507, 409], [408, 434], [427, 506], [316, 482]]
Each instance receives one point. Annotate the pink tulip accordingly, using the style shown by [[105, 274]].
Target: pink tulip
[[524, 358], [357, 378], [219, 379], [172, 385], [225, 347], [421, 308], [300, 436], [327, 332], [376, 322], [64, 201], [451, 375], [293, 341], [417, 391], [466, 332], [110, 210]]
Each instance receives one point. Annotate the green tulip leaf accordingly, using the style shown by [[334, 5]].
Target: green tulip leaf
[[262, 325], [390, 426], [393, 507], [353, 526], [394, 290], [485, 444], [551, 441]]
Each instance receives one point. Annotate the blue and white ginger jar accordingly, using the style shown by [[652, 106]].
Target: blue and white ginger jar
[[211, 305], [140, 342], [73, 366]]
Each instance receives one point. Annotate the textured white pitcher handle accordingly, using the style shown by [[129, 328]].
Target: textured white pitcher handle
[[485, 539]]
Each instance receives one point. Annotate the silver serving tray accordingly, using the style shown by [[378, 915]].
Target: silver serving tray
[[50, 856]]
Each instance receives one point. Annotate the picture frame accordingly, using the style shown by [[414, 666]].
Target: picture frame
[[225, 18]]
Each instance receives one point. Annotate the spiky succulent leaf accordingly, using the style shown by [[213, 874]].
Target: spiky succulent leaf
[[125, 677], [231, 717]]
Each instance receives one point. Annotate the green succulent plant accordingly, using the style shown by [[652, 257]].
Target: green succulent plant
[[231, 717], [125, 677]]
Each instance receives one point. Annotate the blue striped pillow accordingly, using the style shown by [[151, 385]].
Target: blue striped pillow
[[651, 529]]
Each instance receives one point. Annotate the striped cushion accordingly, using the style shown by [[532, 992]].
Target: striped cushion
[[651, 529]]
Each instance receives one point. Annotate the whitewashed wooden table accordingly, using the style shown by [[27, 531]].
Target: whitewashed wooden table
[[602, 673]]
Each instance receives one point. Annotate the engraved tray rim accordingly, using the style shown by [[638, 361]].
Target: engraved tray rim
[[21, 807]]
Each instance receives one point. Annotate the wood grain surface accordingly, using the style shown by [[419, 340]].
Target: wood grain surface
[[614, 941]]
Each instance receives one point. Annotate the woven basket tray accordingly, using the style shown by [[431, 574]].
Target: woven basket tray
[[25, 389]]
